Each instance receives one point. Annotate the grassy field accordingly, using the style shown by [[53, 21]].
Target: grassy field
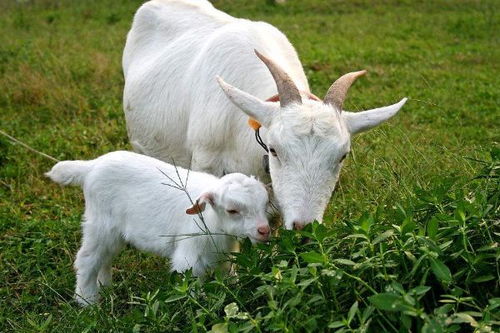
[[410, 239]]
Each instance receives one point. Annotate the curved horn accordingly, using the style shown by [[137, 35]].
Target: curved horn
[[287, 90], [338, 90]]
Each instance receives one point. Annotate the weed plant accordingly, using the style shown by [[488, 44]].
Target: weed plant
[[426, 265]]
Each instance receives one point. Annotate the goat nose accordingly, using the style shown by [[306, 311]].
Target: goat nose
[[298, 225], [264, 231]]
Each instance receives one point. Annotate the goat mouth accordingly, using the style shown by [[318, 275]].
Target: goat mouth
[[258, 240]]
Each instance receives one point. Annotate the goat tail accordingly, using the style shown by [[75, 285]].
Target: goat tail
[[70, 172]]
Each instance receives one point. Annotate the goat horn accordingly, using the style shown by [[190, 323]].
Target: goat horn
[[338, 90], [287, 90]]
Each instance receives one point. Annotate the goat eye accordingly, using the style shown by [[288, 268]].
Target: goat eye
[[273, 152], [232, 211]]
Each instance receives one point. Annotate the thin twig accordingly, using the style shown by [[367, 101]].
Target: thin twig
[[13, 139], [169, 178], [172, 186], [425, 102], [187, 178], [200, 215], [182, 186], [198, 234]]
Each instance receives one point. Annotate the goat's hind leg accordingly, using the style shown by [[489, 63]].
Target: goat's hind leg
[[93, 257], [105, 276]]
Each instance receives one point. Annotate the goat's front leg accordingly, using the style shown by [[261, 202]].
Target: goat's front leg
[[185, 258], [207, 161]]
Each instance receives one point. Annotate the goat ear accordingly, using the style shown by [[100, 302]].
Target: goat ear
[[200, 204], [364, 120], [196, 208], [262, 112]]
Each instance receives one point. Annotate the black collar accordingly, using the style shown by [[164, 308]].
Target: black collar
[[259, 140]]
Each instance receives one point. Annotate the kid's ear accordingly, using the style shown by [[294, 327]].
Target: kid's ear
[[200, 203]]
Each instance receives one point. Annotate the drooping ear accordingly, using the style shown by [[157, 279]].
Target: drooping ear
[[364, 120], [255, 108], [200, 203]]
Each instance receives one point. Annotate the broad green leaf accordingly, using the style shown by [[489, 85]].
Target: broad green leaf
[[306, 282], [464, 318], [174, 298], [345, 262], [408, 226], [483, 278], [432, 228], [313, 257], [409, 299], [336, 324], [366, 222], [440, 270], [406, 320], [443, 310], [320, 231], [219, 328], [352, 312], [242, 315], [460, 214], [383, 236], [432, 326], [329, 272], [398, 287], [445, 245], [283, 264], [277, 274], [387, 301], [356, 236], [231, 309], [410, 256], [420, 290], [494, 303]]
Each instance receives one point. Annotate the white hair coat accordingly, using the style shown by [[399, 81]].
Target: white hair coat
[[135, 199], [175, 109]]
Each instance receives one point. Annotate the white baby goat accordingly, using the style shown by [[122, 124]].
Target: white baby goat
[[136, 199]]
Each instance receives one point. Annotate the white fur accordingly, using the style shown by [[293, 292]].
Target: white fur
[[175, 109], [128, 199]]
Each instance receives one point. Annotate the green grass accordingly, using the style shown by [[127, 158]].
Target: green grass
[[411, 236]]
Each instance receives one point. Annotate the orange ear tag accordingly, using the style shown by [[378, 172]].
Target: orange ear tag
[[254, 124]]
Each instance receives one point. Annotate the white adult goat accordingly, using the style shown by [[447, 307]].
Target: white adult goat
[[135, 199], [175, 110]]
